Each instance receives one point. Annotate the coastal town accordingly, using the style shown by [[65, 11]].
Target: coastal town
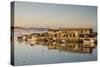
[[63, 35], [48, 33]]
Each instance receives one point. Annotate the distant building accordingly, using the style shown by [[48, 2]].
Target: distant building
[[69, 34]]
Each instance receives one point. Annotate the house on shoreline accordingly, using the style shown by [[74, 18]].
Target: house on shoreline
[[71, 34]]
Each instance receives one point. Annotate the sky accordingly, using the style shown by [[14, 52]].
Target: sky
[[47, 15]]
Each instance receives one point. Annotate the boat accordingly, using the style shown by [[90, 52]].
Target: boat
[[88, 41]]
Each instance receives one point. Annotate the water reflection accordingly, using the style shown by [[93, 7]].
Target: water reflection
[[74, 47]]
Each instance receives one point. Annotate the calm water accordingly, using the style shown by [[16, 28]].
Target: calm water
[[30, 53]]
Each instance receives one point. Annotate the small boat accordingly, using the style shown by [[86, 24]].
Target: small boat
[[87, 41], [19, 38], [24, 37]]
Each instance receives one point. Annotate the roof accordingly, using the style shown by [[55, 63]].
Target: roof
[[76, 29]]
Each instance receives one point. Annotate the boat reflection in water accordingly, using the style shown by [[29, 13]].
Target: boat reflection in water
[[75, 47]]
